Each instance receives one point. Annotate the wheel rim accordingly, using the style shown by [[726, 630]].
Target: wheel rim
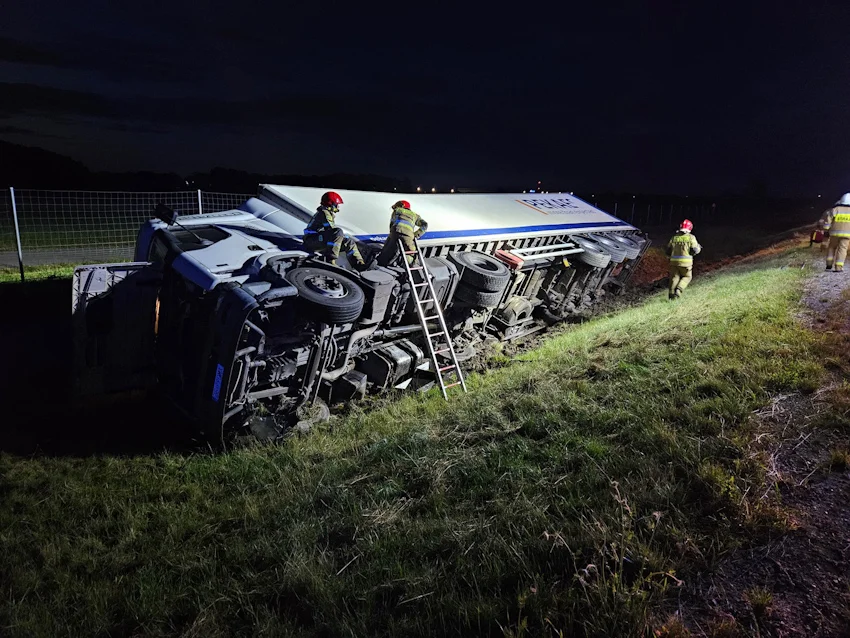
[[589, 245], [326, 286], [607, 242]]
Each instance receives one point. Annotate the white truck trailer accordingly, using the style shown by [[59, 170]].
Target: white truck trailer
[[241, 327]]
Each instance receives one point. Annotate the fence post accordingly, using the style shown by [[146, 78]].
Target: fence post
[[17, 233], [200, 205]]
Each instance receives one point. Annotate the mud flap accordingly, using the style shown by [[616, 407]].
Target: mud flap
[[114, 312]]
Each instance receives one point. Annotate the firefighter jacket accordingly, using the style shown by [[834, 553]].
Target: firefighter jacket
[[682, 248], [837, 221], [404, 222], [322, 221]]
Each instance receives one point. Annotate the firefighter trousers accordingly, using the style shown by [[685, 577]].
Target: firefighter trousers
[[836, 252], [390, 249], [680, 277], [329, 244]]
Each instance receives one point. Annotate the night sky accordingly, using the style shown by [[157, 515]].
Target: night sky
[[657, 96]]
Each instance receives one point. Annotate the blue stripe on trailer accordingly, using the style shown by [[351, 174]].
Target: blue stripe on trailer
[[472, 232]]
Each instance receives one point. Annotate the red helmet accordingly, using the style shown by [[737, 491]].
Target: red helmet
[[331, 199], [403, 203], [687, 225]]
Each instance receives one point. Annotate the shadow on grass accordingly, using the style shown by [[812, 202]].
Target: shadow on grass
[[39, 413]]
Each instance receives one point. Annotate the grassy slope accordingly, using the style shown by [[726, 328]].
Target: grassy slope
[[32, 273], [562, 492]]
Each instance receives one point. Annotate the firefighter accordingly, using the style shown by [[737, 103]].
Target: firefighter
[[837, 224], [322, 235], [403, 226], [681, 250]]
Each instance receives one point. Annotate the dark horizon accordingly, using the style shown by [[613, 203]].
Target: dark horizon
[[25, 167], [664, 98]]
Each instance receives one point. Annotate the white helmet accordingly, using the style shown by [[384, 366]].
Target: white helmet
[[844, 201]]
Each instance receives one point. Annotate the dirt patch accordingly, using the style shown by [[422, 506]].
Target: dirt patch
[[795, 579], [653, 267], [825, 294]]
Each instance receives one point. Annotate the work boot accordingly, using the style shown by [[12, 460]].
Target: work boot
[[677, 293], [828, 267], [839, 269]]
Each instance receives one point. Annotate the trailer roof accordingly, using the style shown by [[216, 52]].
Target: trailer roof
[[453, 217]]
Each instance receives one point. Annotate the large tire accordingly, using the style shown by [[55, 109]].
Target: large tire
[[327, 296], [631, 247], [618, 254], [477, 298], [593, 254], [480, 270]]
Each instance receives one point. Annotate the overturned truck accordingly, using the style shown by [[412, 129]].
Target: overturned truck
[[242, 328]]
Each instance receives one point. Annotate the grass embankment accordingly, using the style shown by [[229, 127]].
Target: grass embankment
[[562, 494], [35, 273]]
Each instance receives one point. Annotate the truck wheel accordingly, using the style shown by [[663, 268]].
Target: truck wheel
[[477, 298], [327, 296], [632, 248], [618, 254], [593, 254], [480, 270]]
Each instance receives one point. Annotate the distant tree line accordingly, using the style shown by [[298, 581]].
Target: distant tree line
[[29, 167]]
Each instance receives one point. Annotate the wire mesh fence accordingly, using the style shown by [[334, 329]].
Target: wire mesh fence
[[74, 227], [215, 202]]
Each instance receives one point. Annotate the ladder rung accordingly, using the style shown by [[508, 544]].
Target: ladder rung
[[451, 385], [448, 368], [416, 267], [441, 351], [424, 283], [435, 334], [432, 317], [410, 252]]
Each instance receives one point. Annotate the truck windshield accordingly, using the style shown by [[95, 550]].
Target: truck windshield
[[281, 239], [188, 241]]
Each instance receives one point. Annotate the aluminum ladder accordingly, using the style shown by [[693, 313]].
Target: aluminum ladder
[[423, 292]]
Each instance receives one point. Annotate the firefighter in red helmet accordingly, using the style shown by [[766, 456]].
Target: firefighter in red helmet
[[681, 250], [405, 225], [323, 236]]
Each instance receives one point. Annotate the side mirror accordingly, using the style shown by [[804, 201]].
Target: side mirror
[[166, 214]]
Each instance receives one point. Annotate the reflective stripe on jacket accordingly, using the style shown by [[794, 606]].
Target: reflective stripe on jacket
[[838, 221], [323, 220], [682, 248], [404, 222]]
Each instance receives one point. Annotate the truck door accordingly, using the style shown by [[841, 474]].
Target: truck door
[[114, 323]]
